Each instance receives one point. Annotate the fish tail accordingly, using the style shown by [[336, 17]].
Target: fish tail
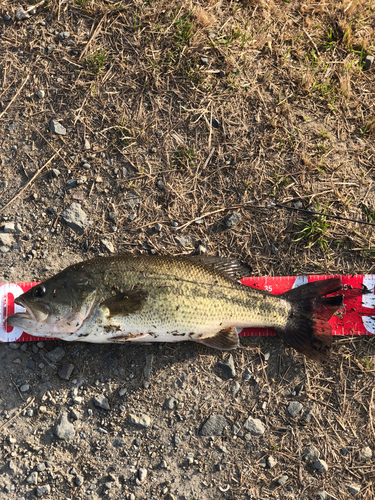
[[307, 328]]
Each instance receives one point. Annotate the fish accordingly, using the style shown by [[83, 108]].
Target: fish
[[145, 298]]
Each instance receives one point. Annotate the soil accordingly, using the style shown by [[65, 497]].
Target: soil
[[176, 116]]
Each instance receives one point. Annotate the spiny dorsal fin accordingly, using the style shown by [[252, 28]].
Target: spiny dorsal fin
[[233, 268], [126, 303], [225, 340]]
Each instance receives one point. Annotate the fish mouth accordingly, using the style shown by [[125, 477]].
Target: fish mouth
[[35, 312]]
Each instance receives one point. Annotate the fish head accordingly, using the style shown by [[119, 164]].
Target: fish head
[[57, 307]]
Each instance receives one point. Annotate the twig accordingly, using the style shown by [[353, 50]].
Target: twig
[[18, 413], [371, 406], [208, 158], [312, 41], [30, 181], [93, 35], [15, 96], [19, 393]]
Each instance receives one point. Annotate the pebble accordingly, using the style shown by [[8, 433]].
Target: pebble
[[232, 219], [24, 387], [119, 442], [21, 14], [205, 60], [132, 200], [321, 465], [12, 127], [142, 474], [56, 354], [75, 414], [7, 17], [160, 185], [43, 490], [369, 61], [323, 495], [32, 478], [142, 421], [294, 408], [9, 227], [227, 367], [310, 453], [64, 429], [148, 366], [184, 240], [86, 147], [365, 454], [41, 467], [170, 404], [76, 218], [50, 48], [63, 35], [235, 388], [66, 371], [271, 462], [40, 94], [236, 428], [214, 426], [307, 415], [78, 480], [248, 375], [108, 245], [4, 249], [354, 489], [282, 480], [101, 402], [122, 391], [57, 128], [254, 426], [215, 123]]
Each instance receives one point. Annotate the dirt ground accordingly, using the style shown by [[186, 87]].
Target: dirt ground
[[178, 115]]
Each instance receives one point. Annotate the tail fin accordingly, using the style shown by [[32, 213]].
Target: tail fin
[[307, 328]]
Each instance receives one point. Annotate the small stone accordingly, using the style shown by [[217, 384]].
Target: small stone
[[143, 421], [7, 17], [86, 147], [310, 453], [12, 127], [354, 489], [24, 387], [235, 388], [43, 490], [236, 428], [184, 240], [214, 426], [41, 467], [30, 413], [78, 480], [323, 495], [369, 60], [32, 478], [247, 375], [101, 402], [56, 354], [21, 14], [307, 415], [76, 218], [160, 185], [177, 440], [205, 60], [271, 462], [50, 48], [63, 35], [321, 465], [215, 123], [86, 166], [12, 469], [42, 409], [232, 219], [119, 442], [294, 408], [170, 404], [365, 454], [75, 414], [142, 475], [132, 200], [64, 429], [108, 245], [9, 227], [254, 426], [148, 366], [40, 94], [282, 480], [344, 452], [122, 391], [4, 249], [66, 371], [57, 128], [227, 367]]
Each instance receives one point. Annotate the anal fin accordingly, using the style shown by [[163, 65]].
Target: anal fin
[[225, 340]]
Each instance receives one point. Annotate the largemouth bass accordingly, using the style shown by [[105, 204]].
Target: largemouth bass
[[141, 298]]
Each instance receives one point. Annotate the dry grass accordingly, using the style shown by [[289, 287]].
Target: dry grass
[[225, 104]]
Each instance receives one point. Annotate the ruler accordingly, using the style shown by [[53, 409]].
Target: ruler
[[356, 317]]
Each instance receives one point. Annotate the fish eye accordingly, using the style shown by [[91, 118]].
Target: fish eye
[[39, 291]]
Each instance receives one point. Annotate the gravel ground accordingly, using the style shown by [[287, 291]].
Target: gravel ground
[[158, 127]]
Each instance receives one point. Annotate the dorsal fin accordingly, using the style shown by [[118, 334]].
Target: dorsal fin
[[233, 268]]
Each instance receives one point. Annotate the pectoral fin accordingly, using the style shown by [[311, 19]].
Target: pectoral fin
[[126, 303], [225, 340]]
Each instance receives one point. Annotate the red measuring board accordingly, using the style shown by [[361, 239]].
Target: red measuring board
[[356, 317]]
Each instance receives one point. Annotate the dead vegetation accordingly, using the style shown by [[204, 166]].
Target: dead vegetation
[[192, 108]]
